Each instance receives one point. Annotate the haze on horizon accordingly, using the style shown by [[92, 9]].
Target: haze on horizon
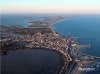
[[50, 6]]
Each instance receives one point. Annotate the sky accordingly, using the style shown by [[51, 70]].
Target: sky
[[49, 6]]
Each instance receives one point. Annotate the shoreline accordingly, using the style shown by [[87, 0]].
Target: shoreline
[[57, 53], [61, 55], [64, 56], [62, 20]]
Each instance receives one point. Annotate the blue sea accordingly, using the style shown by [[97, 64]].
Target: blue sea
[[86, 26]]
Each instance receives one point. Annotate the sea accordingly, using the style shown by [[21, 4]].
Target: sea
[[85, 26], [86, 29]]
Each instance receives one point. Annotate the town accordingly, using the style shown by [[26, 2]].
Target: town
[[42, 36]]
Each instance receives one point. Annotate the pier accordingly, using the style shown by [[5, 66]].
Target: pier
[[91, 56]]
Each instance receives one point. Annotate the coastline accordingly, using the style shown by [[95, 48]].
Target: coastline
[[59, 53], [68, 18], [64, 56], [60, 21]]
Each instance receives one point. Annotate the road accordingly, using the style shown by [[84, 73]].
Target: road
[[73, 65]]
